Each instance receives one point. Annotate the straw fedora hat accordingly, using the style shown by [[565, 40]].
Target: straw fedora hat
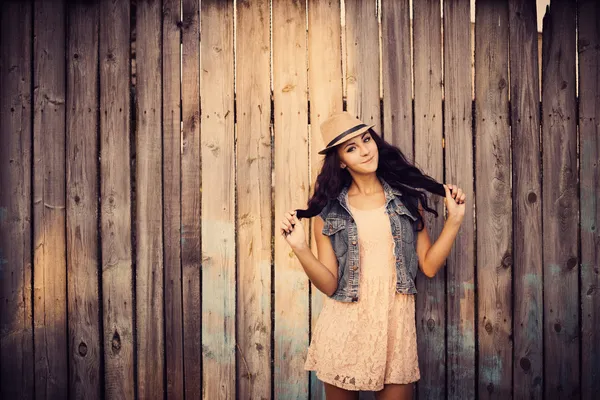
[[339, 127]]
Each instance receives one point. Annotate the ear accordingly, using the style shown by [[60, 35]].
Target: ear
[[342, 165]]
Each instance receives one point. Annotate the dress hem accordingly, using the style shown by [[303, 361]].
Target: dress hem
[[354, 387]]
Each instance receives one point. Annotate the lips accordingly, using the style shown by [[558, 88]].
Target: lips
[[369, 160]]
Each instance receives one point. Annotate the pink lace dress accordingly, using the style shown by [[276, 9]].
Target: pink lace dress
[[362, 345]]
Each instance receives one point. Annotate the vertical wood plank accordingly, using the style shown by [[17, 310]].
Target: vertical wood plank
[[16, 335], [527, 222], [85, 355], [171, 181], [431, 307], [493, 199], [149, 244], [253, 94], [117, 282], [49, 265], [291, 191], [362, 62], [325, 92], [190, 198], [218, 206], [397, 75], [459, 171], [560, 205], [588, 17]]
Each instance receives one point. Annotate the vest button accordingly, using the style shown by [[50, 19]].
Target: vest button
[[354, 242], [354, 268], [355, 299]]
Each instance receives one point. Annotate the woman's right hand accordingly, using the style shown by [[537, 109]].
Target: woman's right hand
[[292, 230]]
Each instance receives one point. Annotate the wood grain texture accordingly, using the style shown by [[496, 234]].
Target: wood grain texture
[[171, 181], [149, 222], [218, 201], [291, 191], [362, 62], [253, 94], [397, 75], [49, 241], [494, 201], [191, 252], [16, 313], [560, 204], [85, 355], [325, 92], [588, 17], [459, 171], [527, 207], [430, 300], [115, 195]]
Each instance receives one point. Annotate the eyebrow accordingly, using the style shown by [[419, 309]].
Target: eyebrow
[[361, 136]]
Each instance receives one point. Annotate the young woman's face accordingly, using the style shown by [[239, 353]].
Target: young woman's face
[[359, 154]]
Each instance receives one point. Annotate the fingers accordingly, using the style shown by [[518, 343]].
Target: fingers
[[291, 215], [288, 223], [447, 189], [456, 193]]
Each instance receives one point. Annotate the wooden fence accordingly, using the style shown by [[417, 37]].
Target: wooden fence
[[148, 150]]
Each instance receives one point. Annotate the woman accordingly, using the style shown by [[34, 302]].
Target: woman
[[371, 238]]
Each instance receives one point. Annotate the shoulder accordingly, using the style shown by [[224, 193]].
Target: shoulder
[[409, 201], [412, 206], [325, 211]]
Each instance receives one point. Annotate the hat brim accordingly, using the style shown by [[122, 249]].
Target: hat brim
[[346, 137]]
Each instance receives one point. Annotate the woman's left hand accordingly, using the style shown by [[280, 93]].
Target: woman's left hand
[[455, 202]]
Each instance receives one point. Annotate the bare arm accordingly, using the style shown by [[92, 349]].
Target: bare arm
[[322, 272], [432, 256]]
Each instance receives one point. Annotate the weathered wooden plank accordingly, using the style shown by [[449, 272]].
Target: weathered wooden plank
[[560, 204], [85, 354], [397, 75], [191, 252], [171, 181], [527, 223], [115, 195], [16, 334], [494, 201], [218, 206], [430, 304], [459, 170], [325, 92], [149, 229], [49, 242], [588, 17], [291, 191], [362, 62], [253, 94]]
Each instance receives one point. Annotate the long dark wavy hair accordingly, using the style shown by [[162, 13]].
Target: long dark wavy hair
[[393, 167]]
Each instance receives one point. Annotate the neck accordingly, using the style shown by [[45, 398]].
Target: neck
[[365, 185]]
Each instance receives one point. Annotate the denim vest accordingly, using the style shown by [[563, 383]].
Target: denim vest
[[342, 231]]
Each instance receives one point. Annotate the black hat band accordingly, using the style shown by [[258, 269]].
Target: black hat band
[[345, 133]]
